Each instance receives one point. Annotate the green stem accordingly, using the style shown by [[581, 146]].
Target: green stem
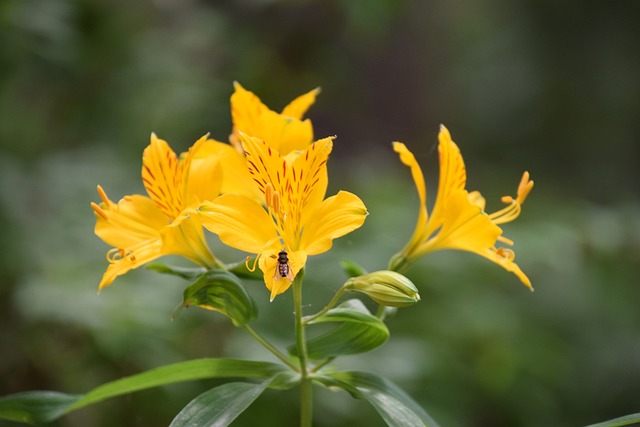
[[266, 344], [381, 314], [305, 381], [322, 364], [332, 303]]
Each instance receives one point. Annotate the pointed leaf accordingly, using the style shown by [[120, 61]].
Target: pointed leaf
[[221, 291], [46, 406], [619, 422], [219, 406], [352, 269], [188, 273], [240, 269], [35, 407], [395, 406], [358, 332]]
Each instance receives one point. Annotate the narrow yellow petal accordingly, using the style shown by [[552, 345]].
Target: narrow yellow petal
[[335, 217], [301, 104], [408, 159], [310, 178], [504, 258], [453, 177], [144, 252], [161, 178], [239, 221]]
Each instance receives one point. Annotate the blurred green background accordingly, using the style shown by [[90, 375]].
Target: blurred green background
[[539, 85]]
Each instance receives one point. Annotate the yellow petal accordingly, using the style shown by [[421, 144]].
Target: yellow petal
[[144, 252], [407, 158], [239, 221], [335, 217], [132, 220], [506, 262], [301, 104], [161, 177], [235, 175], [205, 173], [301, 185], [464, 226], [185, 237], [252, 117], [269, 265], [453, 176], [311, 178]]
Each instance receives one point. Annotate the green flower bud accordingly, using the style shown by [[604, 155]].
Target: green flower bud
[[386, 288]]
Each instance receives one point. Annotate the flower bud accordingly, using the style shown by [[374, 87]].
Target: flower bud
[[386, 288]]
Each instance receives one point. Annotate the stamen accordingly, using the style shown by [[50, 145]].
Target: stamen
[[115, 254], [103, 196], [268, 194], [525, 187], [255, 262], [275, 202], [506, 254], [98, 210], [505, 240]]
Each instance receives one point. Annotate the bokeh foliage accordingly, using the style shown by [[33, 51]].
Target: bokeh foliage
[[551, 87]]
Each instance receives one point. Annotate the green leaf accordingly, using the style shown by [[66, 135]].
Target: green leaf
[[618, 422], [188, 273], [219, 406], [240, 269], [352, 269], [221, 291], [395, 406], [358, 332], [35, 407], [46, 406]]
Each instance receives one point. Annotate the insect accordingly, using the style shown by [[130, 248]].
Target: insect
[[283, 269]]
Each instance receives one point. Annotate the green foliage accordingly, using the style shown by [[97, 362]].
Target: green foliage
[[219, 406], [221, 291], [393, 404], [46, 406], [628, 420], [358, 332]]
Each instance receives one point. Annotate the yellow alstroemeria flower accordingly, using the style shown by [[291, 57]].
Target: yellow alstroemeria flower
[[293, 216], [458, 220], [285, 132], [142, 228]]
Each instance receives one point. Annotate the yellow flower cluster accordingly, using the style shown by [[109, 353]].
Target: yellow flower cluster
[[264, 193]]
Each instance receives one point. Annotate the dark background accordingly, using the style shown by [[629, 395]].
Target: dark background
[[545, 86]]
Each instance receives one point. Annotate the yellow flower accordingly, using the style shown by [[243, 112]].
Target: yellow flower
[[458, 220], [285, 132], [292, 220], [142, 228]]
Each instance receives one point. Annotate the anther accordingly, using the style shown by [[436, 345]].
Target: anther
[[103, 196], [98, 210], [268, 195]]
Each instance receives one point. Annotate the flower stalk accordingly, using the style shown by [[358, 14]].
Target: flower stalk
[[306, 406]]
